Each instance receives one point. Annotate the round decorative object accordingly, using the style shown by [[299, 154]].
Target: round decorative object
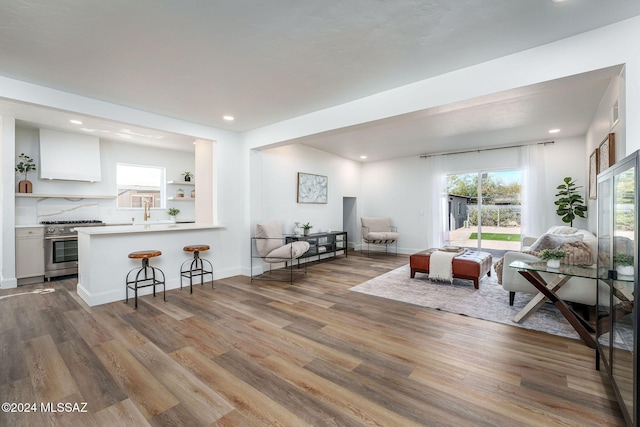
[[25, 186], [625, 270], [297, 230], [180, 192], [553, 263]]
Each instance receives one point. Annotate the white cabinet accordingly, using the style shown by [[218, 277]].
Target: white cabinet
[[30, 253]]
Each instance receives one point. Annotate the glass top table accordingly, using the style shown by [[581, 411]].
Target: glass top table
[[547, 290]]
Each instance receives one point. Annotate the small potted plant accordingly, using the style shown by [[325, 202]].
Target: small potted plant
[[624, 264], [173, 212], [306, 227], [187, 176], [25, 166], [552, 256]]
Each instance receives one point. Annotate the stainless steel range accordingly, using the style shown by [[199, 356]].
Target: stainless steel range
[[61, 246]]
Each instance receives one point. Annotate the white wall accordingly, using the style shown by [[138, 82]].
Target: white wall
[[274, 187], [397, 188], [600, 128]]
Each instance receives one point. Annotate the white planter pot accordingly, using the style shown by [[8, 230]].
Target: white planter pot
[[553, 263], [625, 270]]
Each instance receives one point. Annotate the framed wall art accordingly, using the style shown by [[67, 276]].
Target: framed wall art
[[593, 175], [607, 153], [312, 188]]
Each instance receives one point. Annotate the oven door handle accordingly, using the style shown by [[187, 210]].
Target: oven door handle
[[60, 238]]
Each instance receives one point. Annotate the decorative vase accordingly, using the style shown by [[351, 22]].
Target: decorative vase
[[180, 192], [306, 231], [553, 263], [193, 194], [625, 270], [187, 179], [297, 230], [25, 186]]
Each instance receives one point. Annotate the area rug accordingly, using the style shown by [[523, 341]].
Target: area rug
[[490, 302]]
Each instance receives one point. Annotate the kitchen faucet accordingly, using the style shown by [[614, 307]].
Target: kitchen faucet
[[147, 211]]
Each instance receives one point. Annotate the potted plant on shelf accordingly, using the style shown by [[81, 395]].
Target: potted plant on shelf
[[624, 264], [306, 227], [173, 212], [25, 166], [552, 256], [187, 176], [570, 203]]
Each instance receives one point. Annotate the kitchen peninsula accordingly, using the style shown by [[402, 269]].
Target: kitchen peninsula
[[103, 253]]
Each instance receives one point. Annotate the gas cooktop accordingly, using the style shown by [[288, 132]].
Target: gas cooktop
[[78, 221]]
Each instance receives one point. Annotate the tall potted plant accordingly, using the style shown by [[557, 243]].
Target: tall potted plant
[[570, 202], [25, 166]]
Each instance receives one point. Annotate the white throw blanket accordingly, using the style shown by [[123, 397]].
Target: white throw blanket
[[441, 265]]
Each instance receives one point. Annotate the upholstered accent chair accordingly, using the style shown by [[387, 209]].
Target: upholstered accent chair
[[378, 232], [271, 247]]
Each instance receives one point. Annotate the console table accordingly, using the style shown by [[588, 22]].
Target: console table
[[531, 272], [323, 245]]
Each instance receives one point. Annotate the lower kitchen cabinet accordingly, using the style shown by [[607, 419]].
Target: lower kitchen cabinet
[[29, 255]]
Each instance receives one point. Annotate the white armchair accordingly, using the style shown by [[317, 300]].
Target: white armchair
[[379, 231], [271, 247]]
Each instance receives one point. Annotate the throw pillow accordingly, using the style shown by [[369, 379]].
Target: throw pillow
[[554, 241], [578, 253]]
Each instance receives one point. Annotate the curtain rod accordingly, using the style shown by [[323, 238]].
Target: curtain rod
[[424, 156]]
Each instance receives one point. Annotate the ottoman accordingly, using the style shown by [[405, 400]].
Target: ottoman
[[469, 265]]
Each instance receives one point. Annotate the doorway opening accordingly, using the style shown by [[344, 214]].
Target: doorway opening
[[350, 220]]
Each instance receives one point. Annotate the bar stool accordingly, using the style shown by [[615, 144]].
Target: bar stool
[[150, 275], [196, 266]]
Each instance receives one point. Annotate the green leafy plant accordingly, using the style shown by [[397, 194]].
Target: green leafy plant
[[307, 226], [173, 211], [187, 176], [25, 165], [623, 259], [570, 203], [547, 254]]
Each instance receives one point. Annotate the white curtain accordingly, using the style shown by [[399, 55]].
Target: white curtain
[[436, 214], [534, 186]]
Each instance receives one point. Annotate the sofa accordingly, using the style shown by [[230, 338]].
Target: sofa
[[577, 289]]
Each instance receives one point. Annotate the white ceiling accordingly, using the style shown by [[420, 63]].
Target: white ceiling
[[265, 62]]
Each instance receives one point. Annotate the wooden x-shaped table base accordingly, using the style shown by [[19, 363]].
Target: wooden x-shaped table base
[[548, 291]]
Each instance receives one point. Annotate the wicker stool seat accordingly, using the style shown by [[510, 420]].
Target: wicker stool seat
[[196, 266], [145, 276]]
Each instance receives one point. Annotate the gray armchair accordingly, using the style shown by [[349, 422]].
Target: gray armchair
[[379, 232], [270, 246]]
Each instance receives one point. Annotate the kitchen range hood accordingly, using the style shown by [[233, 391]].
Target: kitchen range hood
[[69, 156]]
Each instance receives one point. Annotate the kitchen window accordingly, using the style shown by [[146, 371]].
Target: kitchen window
[[139, 184]]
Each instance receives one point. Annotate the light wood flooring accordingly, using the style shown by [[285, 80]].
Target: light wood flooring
[[269, 353]]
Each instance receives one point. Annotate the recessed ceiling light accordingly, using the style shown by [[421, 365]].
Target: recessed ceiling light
[[228, 118], [75, 122], [557, 1], [554, 131], [363, 157]]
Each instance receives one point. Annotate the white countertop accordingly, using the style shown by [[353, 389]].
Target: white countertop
[[150, 228]]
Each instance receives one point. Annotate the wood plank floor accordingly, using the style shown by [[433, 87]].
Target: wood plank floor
[[270, 353]]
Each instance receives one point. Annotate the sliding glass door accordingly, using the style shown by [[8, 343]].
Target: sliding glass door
[[484, 209]]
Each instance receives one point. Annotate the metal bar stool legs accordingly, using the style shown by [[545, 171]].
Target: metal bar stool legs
[[196, 266], [145, 276]]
